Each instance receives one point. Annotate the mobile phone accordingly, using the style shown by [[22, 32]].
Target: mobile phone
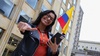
[[58, 37]]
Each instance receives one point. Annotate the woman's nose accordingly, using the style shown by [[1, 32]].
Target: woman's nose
[[48, 18]]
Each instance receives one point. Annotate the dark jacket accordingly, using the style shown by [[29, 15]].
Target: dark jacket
[[29, 44]]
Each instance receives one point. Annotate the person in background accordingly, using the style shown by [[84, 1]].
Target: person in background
[[36, 40]]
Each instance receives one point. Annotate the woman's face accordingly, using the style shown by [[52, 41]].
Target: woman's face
[[48, 19]]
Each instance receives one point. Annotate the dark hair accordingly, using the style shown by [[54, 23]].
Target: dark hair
[[37, 21]]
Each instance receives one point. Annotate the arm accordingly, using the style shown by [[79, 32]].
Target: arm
[[25, 27]]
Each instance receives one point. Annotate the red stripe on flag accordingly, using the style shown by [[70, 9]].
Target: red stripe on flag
[[61, 21]]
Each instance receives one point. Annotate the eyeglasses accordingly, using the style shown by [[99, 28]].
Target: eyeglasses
[[50, 17]]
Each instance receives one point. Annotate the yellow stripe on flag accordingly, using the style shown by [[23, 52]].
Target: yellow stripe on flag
[[65, 29], [69, 13]]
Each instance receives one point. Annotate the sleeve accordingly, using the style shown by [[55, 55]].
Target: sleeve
[[56, 54]]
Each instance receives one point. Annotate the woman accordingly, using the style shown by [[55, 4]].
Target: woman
[[36, 37]]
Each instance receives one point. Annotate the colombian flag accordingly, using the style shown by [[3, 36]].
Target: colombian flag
[[65, 19]]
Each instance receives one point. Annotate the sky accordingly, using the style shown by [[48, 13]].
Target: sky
[[90, 29]]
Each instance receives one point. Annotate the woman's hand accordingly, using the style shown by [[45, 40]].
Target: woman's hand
[[53, 46], [24, 26]]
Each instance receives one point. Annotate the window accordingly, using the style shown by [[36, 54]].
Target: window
[[86, 46], [67, 35], [70, 24], [73, 13], [74, 2], [14, 40], [57, 26], [60, 45], [64, 1], [43, 8], [61, 11], [32, 3], [68, 7], [12, 44], [65, 50], [6, 7], [7, 52], [23, 17], [91, 47], [78, 45], [1, 32], [82, 46], [50, 1], [95, 48]]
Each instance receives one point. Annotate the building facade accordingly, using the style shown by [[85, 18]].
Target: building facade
[[14, 11], [87, 48], [78, 28], [89, 45]]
